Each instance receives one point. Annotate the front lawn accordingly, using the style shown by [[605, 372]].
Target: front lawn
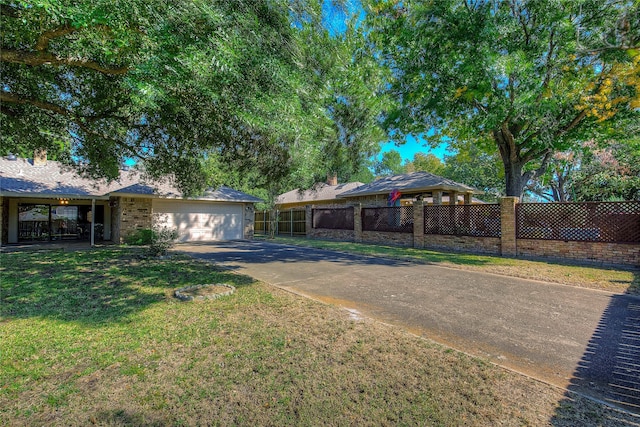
[[97, 338]]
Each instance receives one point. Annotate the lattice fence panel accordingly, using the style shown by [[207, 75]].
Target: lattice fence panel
[[398, 219], [463, 220], [616, 222], [333, 218]]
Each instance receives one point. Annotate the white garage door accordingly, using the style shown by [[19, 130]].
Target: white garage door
[[200, 221]]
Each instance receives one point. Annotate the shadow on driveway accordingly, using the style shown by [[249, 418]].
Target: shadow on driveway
[[610, 366], [256, 252]]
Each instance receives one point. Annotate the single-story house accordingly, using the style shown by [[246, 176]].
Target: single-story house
[[407, 188], [42, 200], [322, 194], [430, 188]]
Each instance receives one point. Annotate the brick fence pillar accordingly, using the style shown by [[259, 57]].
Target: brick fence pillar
[[308, 220], [357, 222], [508, 226], [418, 224]]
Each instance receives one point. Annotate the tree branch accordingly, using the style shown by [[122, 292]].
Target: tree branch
[[14, 99], [547, 75], [576, 120], [45, 38], [45, 58], [54, 108]]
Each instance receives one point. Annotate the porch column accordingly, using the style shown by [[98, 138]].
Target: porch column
[[468, 198], [93, 222], [453, 197], [437, 197]]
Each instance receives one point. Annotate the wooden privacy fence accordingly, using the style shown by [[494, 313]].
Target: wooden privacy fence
[[292, 222], [615, 222]]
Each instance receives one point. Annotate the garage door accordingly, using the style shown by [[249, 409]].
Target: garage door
[[200, 221]]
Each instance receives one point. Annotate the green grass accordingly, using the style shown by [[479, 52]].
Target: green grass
[[613, 279], [96, 337]]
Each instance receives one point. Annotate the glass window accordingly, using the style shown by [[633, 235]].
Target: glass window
[[33, 223]]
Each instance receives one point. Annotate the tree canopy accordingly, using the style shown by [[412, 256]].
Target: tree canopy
[[177, 85], [524, 78]]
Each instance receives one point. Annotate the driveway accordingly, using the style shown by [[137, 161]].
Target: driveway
[[583, 340]]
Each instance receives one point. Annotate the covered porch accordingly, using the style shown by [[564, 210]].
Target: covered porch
[[29, 220]]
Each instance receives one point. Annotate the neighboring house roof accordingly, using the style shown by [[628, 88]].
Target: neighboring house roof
[[412, 182], [21, 178], [320, 192]]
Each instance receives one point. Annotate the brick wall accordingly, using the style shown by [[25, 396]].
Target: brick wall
[[388, 238], [132, 214], [249, 220], [328, 234], [599, 252], [506, 245], [485, 245]]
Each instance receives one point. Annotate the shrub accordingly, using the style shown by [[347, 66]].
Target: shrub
[[140, 237], [162, 239]]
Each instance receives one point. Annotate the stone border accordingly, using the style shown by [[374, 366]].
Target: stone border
[[181, 296]]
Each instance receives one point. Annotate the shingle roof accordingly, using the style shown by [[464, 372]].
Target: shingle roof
[[21, 177], [412, 182], [320, 192]]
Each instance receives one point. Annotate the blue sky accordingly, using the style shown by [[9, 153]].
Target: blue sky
[[413, 146], [335, 21]]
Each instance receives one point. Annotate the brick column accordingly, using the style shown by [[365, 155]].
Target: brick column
[[508, 226], [357, 222], [453, 197], [437, 197], [2, 213], [249, 221], [308, 226], [418, 224], [134, 214]]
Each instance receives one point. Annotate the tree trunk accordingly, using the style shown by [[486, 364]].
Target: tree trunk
[[514, 179], [511, 160]]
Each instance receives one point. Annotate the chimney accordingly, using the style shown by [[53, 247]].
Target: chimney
[[332, 178], [40, 157]]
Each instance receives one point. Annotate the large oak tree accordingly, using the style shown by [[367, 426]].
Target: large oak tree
[[527, 77], [173, 84]]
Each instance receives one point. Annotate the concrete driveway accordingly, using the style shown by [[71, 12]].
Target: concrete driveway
[[583, 340]]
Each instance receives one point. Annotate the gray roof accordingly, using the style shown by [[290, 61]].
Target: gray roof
[[21, 178], [411, 182], [319, 192]]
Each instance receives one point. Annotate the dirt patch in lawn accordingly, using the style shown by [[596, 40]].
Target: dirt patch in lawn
[[203, 292]]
